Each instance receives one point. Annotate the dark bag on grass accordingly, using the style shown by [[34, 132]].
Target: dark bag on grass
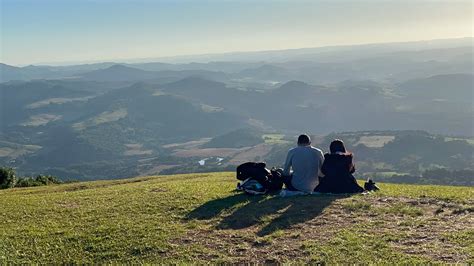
[[370, 185], [257, 179], [275, 180]]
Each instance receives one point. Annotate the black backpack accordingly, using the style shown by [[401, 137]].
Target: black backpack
[[275, 180], [370, 185], [257, 171]]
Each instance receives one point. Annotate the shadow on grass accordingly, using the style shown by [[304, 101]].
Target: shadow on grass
[[215, 207], [282, 213]]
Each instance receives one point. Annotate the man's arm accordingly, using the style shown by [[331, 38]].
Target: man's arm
[[321, 162], [287, 168]]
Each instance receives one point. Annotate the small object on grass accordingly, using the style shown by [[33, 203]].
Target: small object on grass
[[251, 186], [370, 185]]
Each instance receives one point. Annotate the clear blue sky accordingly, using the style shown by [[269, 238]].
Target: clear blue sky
[[34, 31]]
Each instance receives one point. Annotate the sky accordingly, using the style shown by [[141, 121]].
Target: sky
[[59, 31]]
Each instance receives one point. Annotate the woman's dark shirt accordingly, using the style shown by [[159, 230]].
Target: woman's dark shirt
[[338, 169]]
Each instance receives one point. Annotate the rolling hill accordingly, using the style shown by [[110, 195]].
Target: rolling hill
[[198, 218]]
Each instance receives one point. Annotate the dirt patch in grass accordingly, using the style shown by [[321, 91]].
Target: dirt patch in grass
[[419, 226], [76, 188], [158, 190], [425, 234], [276, 237], [412, 227], [68, 205]]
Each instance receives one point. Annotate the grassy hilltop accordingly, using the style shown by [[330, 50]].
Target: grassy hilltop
[[199, 217]]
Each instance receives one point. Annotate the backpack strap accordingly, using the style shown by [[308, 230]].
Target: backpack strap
[[241, 183]]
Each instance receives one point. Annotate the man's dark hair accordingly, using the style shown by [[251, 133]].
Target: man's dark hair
[[304, 140], [337, 145]]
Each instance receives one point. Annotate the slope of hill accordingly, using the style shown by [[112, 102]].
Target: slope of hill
[[199, 218], [8, 72], [244, 137], [126, 73], [452, 87], [118, 73]]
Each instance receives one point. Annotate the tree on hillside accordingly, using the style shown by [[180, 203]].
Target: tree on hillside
[[7, 177]]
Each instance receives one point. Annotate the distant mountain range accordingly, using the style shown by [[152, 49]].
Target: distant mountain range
[[315, 65], [88, 116]]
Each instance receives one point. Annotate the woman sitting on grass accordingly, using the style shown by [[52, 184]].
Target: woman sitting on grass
[[338, 169]]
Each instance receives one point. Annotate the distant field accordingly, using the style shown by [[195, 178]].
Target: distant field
[[274, 139], [14, 150], [40, 120], [210, 109], [381, 165], [208, 152], [387, 173], [234, 156], [105, 117], [136, 149], [52, 101], [256, 153], [469, 140], [187, 145], [197, 218], [374, 141]]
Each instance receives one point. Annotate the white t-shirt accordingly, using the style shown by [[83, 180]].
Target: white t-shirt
[[306, 162]]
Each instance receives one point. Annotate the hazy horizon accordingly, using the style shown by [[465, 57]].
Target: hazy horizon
[[66, 32], [175, 58]]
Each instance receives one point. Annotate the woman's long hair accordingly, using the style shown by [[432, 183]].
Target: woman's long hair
[[336, 146]]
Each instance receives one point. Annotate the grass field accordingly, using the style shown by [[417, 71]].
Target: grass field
[[198, 218], [275, 139], [375, 141]]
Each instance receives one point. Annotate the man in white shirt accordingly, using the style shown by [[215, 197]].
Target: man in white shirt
[[302, 166]]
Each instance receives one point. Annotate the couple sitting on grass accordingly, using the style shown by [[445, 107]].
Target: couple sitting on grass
[[307, 170]]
